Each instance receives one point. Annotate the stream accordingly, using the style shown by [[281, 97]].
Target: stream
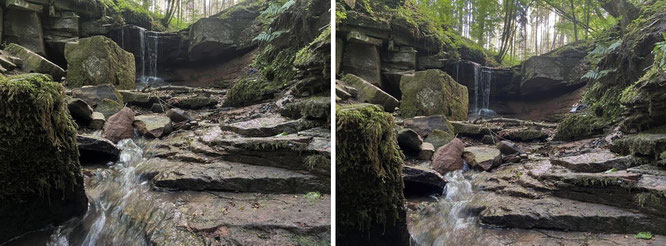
[[110, 190], [446, 221]]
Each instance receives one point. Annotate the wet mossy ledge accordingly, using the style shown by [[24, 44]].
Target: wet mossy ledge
[[370, 196], [40, 171]]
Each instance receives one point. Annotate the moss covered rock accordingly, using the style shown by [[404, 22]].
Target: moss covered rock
[[439, 138], [370, 93], [108, 107], [249, 90], [432, 92], [369, 170], [99, 60], [33, 62], [40, 171], [579, 126]]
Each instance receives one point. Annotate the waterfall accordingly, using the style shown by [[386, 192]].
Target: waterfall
[[149, 48], [480, 106], [447, 222]]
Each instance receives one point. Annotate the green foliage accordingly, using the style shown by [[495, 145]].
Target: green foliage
[[644, 235], [249, 90], [313, 196], [268, 35], [579, 126], [660, 53]]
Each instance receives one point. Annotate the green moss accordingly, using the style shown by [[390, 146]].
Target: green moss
[[579, 126], [368, 167], [37, 139], [311, 108], [439, 138], [317, 162], [250, 90], [99, 60], [433, 92]]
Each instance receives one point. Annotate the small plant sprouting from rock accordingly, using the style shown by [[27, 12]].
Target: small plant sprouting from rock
[[644, 235], [313, 196]]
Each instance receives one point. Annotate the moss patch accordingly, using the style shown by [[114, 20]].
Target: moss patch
[[250, 90], [369, 168], [579, 126], [35, 120]]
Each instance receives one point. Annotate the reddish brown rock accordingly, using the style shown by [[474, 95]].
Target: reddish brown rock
[[119, 126], [449, 157]]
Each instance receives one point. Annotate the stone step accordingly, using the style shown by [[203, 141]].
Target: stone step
[[599, 161], [561, 214], [229, 176], [268, 126], [623, 189], [303, 153]]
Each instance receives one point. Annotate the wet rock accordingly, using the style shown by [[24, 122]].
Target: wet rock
[[136, 98], [563, 214], [96, 149], [448, 158], [41, 175], [119, 126], [421, 181], [270, 125], [229, 176], [193, 102], [97, 122], [363, 60], [509, 148], [427, 151], [226, 34], [108, 107], [409, 141], [648, 169], [523, 134], [424, 125], [482, 157], [365, 197], [99, 60], [433, 92], [24, 27], [158, 108], [599, 161], [439, 138], [469, 130], [80, 111], [153, 125], [33, 62], [370, 93], [94, 94], [178, 115]]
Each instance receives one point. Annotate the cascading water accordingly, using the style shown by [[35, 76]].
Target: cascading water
[[446, 222], [149, 47], [482, 84]]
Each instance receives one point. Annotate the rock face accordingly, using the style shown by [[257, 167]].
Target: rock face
[[551, 74], [24, 27], [448, 158], [98, 60], [32, 62], [228, 33], [370, 93], [119, 126], [363, 60], [433, 92], [370, 211], [41, 174]]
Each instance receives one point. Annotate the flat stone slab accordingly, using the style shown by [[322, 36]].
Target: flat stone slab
[[648, 169], [600, 161], [562, 214], [267, 126], [228, 176]]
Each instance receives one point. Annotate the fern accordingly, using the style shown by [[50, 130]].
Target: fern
[[660, 51], [276, 8], [267, 36], [596, 74]]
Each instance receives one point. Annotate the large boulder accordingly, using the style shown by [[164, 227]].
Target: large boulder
[[433, 92], [40, 171], [228, 33], [24, 27], [33, 62], [370, 93], [363, 60], [553, 73], [370, 204], [98, 60], [448, 158]]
